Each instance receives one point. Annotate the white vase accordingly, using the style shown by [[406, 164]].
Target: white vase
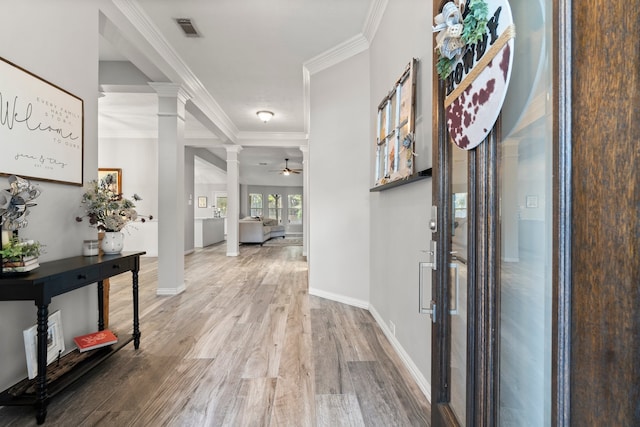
[[112, 242]]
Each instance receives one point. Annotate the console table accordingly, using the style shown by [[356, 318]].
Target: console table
[[56, 278]]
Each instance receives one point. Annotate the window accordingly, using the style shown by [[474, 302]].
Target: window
[[255, 204], [221, 205], [275, 207], [294, 208]]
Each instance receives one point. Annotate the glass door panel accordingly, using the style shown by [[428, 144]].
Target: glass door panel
[[458, 283], [525, 189], [275, 207]]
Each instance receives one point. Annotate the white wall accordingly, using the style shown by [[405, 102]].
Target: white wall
[[365, 247], [138, 159], [209, 191], [339, 184], [399, 216], [43, 37]]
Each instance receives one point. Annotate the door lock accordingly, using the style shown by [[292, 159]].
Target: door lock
[[433, 222]]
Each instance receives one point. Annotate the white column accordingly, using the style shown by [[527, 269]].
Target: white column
[[171, 197], [305, 200], [233, 199]]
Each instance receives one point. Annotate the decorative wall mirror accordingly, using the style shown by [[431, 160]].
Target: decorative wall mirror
[[395, 129]]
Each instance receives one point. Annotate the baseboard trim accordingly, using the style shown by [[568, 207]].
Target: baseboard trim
[[339, 298], [171, 291], [422, 382]]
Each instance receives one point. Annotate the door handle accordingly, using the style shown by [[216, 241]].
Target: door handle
[[431, 309], [433, 254], [455, 289]]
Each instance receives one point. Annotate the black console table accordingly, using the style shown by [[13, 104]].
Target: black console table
[[56, 278]]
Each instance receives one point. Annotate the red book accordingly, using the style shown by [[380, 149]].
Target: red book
[[95, 340]]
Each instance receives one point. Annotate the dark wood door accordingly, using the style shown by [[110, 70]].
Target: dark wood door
[[493, 335], [599, 144]]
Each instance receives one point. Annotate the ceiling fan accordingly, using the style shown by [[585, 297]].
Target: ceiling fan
[[287, 170]]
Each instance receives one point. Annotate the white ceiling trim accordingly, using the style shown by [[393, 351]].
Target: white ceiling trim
[[337, 54], [344, 51], [354, 45], [258, 139], [306, 98], [272, 136], [201, 97], [376, 12]]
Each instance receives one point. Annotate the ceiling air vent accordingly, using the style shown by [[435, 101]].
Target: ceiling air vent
[[187, 27]]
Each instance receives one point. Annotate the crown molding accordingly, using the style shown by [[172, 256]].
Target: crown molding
[[273, 139], [376, 12], [275, 136], [132, 10], [306, 99], [337, 54]]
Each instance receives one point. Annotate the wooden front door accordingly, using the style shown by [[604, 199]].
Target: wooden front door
[[492, 283]]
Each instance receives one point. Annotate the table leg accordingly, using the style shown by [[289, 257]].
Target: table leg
[[136, 323], [105, 296], [100, 305], [41, 380]]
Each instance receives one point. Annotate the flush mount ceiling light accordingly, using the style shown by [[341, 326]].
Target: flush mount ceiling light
[[265, 115]]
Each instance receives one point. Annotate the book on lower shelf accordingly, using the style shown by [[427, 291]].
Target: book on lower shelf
[[95, 340]]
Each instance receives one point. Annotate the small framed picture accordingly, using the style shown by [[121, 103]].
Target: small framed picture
[[532, 201], [116, 187], [55, 343], [202, 202]]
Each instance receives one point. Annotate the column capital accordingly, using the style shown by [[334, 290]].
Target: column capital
[[233, 148], [304, 149], [170, 90]]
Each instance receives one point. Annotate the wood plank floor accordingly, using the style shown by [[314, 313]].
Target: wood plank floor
[[244, 345]]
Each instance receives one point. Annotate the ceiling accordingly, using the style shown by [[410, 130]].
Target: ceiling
[[251, 55]]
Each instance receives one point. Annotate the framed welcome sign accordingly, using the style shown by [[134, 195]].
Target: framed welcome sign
[[41, 128]]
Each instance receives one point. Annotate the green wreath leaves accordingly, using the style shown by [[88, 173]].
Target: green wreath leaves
[[475, 23], [474, 29]]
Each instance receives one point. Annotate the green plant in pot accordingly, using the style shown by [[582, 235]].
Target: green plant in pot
[[16, 251], [14, 209]]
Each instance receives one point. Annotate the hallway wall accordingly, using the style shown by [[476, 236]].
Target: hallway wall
[[399, 216], [339, 182], [365, 247], [46, 43]]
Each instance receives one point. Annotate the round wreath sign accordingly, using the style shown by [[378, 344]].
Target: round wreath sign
[[474, 45]]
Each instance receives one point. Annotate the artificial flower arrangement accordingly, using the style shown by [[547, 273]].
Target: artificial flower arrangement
[[17, 255], [107, 210], [15, 203]]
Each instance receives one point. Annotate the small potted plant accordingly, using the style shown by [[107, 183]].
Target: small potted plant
[[20, 256], [15, 202]]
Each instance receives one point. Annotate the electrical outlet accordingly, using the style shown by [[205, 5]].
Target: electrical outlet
[[392, 326]]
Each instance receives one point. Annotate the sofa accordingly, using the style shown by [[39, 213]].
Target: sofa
[[258, 230]]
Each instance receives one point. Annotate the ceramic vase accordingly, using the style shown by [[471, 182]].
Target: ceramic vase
[[112, 242]]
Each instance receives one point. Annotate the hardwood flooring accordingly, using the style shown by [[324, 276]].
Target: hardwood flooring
[[244, 345]]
